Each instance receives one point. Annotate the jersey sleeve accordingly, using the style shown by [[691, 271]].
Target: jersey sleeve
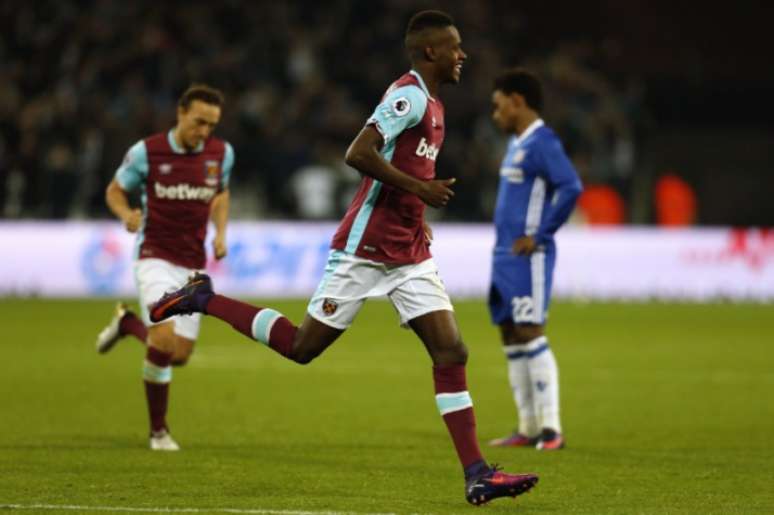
[[134, 170], [401, 109], [227, 165], [561, 175]]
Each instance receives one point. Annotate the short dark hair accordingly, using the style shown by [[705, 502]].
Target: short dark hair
[[523, 82], [428, 19], [415, 40], [202, 92]]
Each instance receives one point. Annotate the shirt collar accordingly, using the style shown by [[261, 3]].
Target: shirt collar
[[529, 130], [422, 84], [177, 149]]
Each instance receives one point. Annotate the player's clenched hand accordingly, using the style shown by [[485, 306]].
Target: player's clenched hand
[[436, 193], [133, 220], [219, 246], [524, 246]]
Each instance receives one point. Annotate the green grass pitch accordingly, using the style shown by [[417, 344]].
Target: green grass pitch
[[667, 409]]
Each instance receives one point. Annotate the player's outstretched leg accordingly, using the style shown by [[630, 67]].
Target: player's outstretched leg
[[438, 331], [124, 322], [270, 327]]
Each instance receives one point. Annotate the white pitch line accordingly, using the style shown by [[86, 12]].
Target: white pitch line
[[72, 507]]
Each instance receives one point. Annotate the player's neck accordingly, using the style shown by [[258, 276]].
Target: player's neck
[[431, 83], [522, 124], [179, 140]]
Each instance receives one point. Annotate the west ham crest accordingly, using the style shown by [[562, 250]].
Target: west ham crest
[[211, 172], [329, 306]]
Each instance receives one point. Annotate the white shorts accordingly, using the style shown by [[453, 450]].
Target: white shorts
[[414, 289], [154, 278]]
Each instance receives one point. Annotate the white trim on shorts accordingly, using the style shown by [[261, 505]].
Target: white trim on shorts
[[537, 263]]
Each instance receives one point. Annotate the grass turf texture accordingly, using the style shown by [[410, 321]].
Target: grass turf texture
[[667, 409]]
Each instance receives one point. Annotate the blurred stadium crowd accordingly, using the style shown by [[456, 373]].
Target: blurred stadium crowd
[[80, 81]]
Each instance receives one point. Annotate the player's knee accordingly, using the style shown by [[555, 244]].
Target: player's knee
[[461, 353], [181, 356], [456, 354], [303, 356], [525, 333], [163, 341], [303, 353], [183, 350], [307, 346]]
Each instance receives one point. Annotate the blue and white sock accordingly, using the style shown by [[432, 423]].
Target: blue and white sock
[[544, 377], [521, 386]]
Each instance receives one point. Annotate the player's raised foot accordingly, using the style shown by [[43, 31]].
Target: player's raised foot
[[550, 440], [191, 298], [495, 483], [515, 440], [162, 441], [110, 335]]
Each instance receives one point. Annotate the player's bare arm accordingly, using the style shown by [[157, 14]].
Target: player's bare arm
[[118, 202], [219, 216], [363, 155], [524, 246]]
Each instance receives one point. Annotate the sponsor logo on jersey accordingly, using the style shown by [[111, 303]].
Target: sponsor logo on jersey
[[427, 151], [211, 171], [512, 174], [183, 191], [329, 306]]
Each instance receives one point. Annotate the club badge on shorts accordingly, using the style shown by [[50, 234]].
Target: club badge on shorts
[[329, 306]]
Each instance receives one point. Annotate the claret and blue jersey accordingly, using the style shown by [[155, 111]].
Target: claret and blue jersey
[[537, 193], [384, 223], [177, 188]]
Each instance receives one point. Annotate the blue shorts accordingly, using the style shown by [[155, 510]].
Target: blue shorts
[[521, 287]]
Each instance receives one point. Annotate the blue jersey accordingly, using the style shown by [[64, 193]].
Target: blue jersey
[[538, 189]]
